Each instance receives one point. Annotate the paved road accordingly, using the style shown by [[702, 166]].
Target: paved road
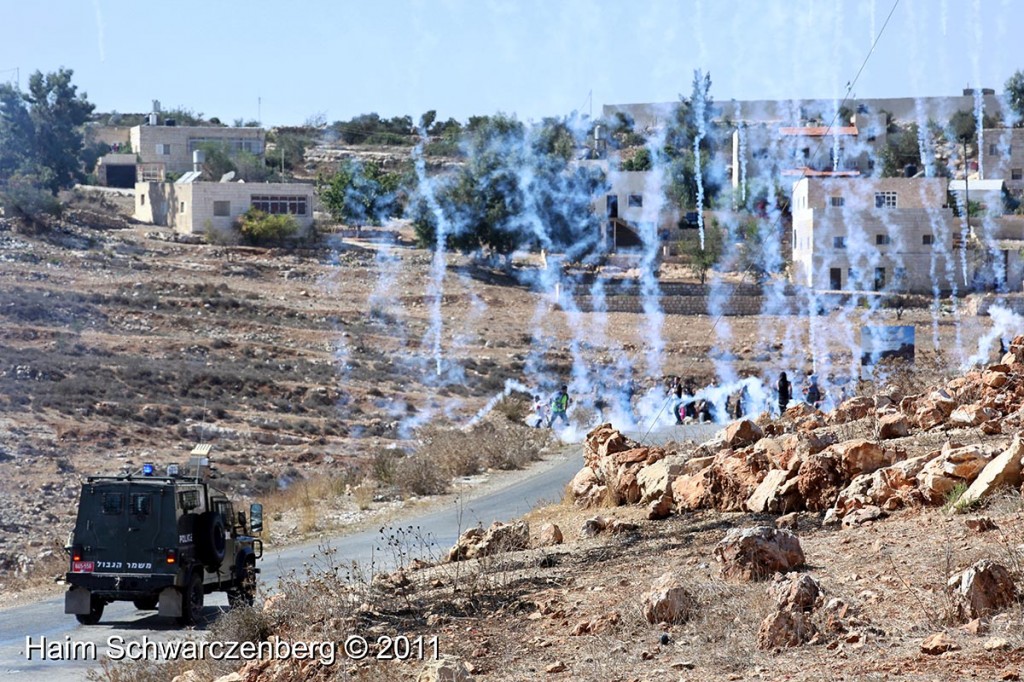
[[46, 618]]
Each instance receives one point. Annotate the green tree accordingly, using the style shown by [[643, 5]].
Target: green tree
[[361, 193], [517, 189], [40, 130], [963, 126], [702, 260], [693, 122], [640, 160], [902, 148], [1015, 95]]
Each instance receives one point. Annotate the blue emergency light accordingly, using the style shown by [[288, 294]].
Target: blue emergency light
[[147, 469]]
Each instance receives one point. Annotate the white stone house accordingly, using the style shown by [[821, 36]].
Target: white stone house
[[885, 234], [202, 207]]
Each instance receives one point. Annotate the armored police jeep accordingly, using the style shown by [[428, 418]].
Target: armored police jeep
[[161, 542]]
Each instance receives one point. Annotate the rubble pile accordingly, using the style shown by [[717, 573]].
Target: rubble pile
[[797, 462]]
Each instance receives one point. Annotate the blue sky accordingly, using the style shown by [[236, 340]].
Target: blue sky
[[529, 57]]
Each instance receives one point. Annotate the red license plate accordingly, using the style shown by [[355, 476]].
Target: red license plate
[[83, 566]]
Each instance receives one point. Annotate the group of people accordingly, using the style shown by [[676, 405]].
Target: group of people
[[711, 405]]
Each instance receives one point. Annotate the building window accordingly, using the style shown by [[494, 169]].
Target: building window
[[879, 279], [885, 199], [835, 279], [230, 145], [181, 209], [222, 209], [927, 239], [838, 242], [294, 205], [163, 149], [1016, 174], [635, 200], [836, 202], [882, 239], [993, 149], [142, 199]]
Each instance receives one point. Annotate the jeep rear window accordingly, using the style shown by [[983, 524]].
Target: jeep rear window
[[188, 499], [113, 503], [140, 505]]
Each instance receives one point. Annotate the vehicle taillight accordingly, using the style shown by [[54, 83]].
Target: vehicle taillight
[[172, 556], [76, 553]]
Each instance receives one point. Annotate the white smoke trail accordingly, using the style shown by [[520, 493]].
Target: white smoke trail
[[99, 29], [1006, 324], [439, 262], [699, 107]]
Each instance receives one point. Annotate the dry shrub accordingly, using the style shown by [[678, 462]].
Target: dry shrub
[[418, 474], [491, 444], [515, 408]]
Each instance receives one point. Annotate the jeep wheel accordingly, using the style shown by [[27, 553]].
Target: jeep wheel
[[145, 603], [244, 594], [94, 615], [192, 601]]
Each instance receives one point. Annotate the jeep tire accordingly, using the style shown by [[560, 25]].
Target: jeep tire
[[244, 591], [145, 603], [94, 615], [192, 600]]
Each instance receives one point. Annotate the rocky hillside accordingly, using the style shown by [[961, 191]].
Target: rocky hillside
[[881, 541]]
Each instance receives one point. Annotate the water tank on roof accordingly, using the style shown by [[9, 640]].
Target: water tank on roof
[[198, 158], [152, 119], [170, 122], [909, 171]]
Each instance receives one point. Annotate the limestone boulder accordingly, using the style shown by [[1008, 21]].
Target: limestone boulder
[[934, 409], [550, 534], [801, 411], [602, 441], [852, 409], [862, 515], [586, 489], [995, 379], [655, 480], [820, 479], [696, 464], [785, 629], [691, 491], [758, 553], [733, 478], [1003, 471], [668, 601], [953, 465], [983, 589], [498, 538], [769, 495], [893, 425], [889, 488], [972, 415], [742, 433], [793, 592], [860, 456], [939, 643], [660, 508], [445, 669]]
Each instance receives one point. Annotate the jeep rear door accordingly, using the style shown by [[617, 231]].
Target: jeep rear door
[[121, 527]]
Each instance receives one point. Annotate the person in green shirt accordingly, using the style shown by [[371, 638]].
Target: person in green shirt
[[559, 404]]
